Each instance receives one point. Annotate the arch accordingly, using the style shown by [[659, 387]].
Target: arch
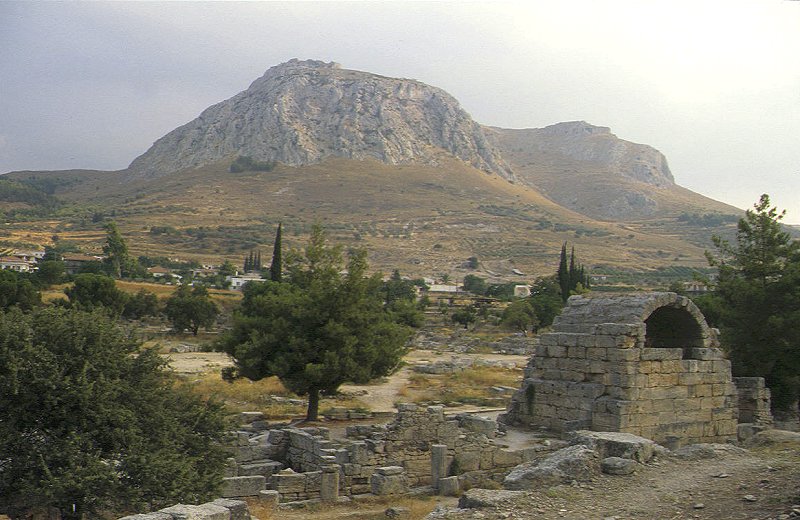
[[676, 326]]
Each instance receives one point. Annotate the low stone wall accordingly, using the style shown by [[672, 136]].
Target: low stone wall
[[311, 458]]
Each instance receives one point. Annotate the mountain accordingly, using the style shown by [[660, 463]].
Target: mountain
[[590, 170], [301, 112], [390, 164]]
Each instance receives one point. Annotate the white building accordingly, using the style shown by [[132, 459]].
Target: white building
[[238, 281]]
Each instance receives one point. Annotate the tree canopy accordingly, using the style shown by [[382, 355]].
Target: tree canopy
[[190, 308], [757, 302], [520, 316], [17, 290], [319, 328], [91, 425]]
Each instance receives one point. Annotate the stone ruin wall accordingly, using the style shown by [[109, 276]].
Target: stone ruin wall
[[646, 364], [299, 463]]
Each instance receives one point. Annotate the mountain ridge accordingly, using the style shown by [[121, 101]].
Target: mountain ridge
[[300, 112]]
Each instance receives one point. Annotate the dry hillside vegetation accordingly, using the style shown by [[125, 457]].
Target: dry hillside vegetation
[[420, 219]]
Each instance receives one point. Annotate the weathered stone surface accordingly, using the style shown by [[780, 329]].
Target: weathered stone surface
[[202, 512], [356, 115], [238, 508], [769, 437], [477, 424], [617, 466], [484, 498], [645, 364], [149, 516], [383, 485], [567, 464], [706, 451], [449, 486], [390, 470], [616, 444], [243, 486]]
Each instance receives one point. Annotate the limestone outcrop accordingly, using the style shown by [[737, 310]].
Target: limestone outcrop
[[301, 112]]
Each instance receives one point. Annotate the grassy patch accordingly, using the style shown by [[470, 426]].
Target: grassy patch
[[469, 386]]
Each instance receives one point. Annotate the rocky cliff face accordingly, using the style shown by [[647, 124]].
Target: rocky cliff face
[[595, 146], [301, 112]]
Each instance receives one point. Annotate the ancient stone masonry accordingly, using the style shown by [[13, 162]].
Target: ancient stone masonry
[[754, 401], [419, 448], [646, 364]]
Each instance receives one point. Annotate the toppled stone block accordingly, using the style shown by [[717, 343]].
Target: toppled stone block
[[745, 431], [238, 508], [565, 465], [393, 483], [202, 512], [449, 486], [769, 437], [476, 424], [616, 444], [243, 486], [617, 466]]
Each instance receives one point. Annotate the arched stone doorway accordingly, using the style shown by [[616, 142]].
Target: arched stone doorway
[[644, 363]]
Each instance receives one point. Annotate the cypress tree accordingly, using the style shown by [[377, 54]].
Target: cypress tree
[[573, 271], [563, 273], [275, 273], [258, 261]]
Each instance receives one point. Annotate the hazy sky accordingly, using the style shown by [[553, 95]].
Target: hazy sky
[[714, 85]]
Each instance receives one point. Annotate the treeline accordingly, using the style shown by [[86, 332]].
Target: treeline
[[707, 219], [40, 202]]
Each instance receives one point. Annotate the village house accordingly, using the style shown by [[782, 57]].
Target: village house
[[237, 282], [15, 263], [162, 272]]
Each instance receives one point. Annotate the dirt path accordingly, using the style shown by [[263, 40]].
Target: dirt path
[[751, 485], [383, 396]]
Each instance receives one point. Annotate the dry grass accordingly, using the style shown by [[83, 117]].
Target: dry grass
[[418, 507], [469, 386], [244, 395], [401, 214]]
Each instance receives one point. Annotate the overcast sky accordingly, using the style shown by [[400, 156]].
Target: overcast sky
[[714, 85]]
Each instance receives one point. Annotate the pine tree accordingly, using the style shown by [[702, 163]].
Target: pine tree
[[319, 330], [275, 273], [757, 303]]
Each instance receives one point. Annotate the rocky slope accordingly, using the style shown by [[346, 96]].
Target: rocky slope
[[595, 146], [590, 170], [300, 112]]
